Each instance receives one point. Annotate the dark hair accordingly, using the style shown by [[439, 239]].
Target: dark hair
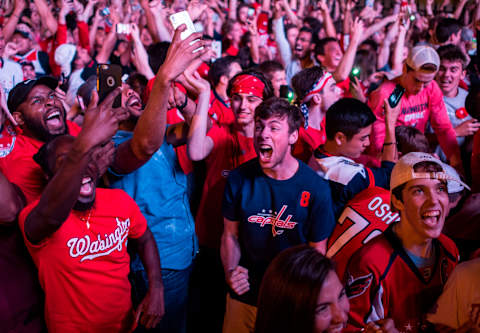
[[157, 53], [288, 27], [240, 6], [373, 45], [472, 102], [314, 35], [409, 139], [279, 107], [445, 28], [86, 89], [269, 67], [452, 53], [289, 291], [320, 46], [138, 80], [267, 90], [425, 166], [220, 68], [303, 81], [349, 116]]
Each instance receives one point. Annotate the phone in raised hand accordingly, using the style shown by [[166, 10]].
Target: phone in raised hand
[[183, 17]]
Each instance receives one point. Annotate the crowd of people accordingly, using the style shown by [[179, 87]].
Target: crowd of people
[[275, 166]]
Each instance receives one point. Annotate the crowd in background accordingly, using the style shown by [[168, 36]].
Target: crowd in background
[[290, 166]]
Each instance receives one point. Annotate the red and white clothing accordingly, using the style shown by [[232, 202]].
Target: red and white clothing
[[84, 271], [230, 149], [17, 163], [366, 216], [384, 282], [417, 110], [39, 59], [308, 140]]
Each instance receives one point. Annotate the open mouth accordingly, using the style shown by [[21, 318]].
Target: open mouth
[[134, 102], [265, 152], [87, 187], [54, 119], [431, 217]]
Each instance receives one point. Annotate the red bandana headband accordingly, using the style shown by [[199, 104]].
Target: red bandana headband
[[248, 84], [318, 86]]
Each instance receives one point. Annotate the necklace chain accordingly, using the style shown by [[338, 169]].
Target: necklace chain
[[87, 220]]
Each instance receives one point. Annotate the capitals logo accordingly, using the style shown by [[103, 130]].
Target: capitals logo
[[358, 286], [274, 219]]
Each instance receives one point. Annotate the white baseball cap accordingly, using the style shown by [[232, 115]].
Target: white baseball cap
[[404, 171], [422, 55]]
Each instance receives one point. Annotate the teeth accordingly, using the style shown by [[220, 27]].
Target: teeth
[[435, 213], [86, 180], [53, 115]]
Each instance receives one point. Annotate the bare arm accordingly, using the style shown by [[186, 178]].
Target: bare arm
[[377, 26], [150, 129], [48, 20], [235, 275], [345, 66], [152, 308], [140, 57], [12, 201], [390, 142], [459, 9], [11, 24], [107, 47], [327, 19], [232, 12], [162, 33]]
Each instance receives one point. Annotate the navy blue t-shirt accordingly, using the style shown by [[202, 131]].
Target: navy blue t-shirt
[[275, 215]]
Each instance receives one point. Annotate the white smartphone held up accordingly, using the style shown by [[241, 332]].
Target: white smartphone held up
[[180, 18], [123, 28], [217, 48]]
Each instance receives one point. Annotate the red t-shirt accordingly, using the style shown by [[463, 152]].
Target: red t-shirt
[[220, 111], [417, 110], [308, 140], [84, 271], [20, 168], [230, 149]]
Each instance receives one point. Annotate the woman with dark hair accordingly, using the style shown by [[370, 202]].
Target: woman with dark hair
[[301, 293]]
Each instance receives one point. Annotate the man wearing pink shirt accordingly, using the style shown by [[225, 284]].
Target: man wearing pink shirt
[[422, 102]]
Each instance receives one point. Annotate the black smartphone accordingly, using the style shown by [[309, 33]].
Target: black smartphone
[[396, 96], [109, 77]]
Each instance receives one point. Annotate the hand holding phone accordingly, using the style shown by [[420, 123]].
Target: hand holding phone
[[109, 77], [396, 96]]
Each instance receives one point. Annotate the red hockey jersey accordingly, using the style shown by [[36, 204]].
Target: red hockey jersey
[[366, 216], [383, 282]]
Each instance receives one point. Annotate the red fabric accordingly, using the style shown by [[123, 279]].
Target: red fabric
[[417, 110], [174, 117], [308, 140], [229, 151], [366, 216], [84, 271], [148, 90], [20, 168], [83, 35], [262, 23], [220, 112], [463, 85], [203, 70], [248, 84], [345, 86], [61, 38], [232, 50], [382, 283]]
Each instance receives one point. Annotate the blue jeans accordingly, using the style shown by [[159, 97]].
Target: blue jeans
[[175, 293]]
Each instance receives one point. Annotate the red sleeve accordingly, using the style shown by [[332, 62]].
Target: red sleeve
[[61, 34], [83, 35], [441, 123], [148, 90], [138, 223], [362, 280]]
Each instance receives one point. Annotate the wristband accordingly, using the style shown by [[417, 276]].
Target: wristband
[[181, 107]]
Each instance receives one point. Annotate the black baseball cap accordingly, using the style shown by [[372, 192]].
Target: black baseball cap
[[20, 92]]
